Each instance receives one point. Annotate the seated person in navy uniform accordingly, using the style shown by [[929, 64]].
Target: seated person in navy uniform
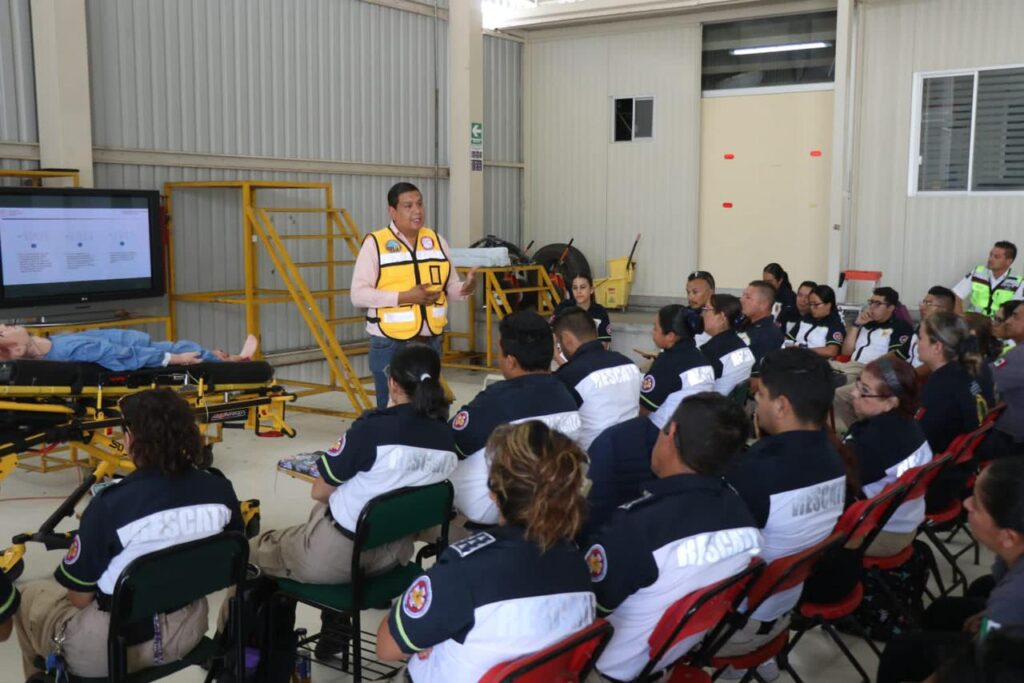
[[1007, 435], [763, 335], [788, 319], [700, 285], [992, 604], [529, 392], [730, 357], [887, 441], [9, 601], [113, 349], [509, 591], [688, 531], [938, 300], [792, 479], [620, 457], [583, 298], [166, 501], [406, 444], [604, 383], [776, 277], [822, 330]]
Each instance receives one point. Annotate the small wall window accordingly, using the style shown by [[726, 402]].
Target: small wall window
[[970, 131], [634, 118]]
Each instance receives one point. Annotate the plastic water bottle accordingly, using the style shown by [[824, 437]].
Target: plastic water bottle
[[303, 672]]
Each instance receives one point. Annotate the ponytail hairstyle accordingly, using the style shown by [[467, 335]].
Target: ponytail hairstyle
[[898, 380], [417, 369], [163, 431], [672, 319], [729, 306], [779, 273], [537, 476], [958, 344], [980, 325]]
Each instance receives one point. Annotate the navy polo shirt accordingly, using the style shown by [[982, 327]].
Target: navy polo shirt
[[886, 446], [688, 532], [788, 320], [876, 339], [620, 468], [529, 397], [953, 403], [605, 385], [490, 598], [765, 337], [9, 598], [679, 371], [384, 450], [813, 333], [145, 512], [730, 358], [795, 486], [597, 312]]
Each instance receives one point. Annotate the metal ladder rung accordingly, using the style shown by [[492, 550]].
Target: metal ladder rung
[[315, 292], [298, 209], [347, 320], [522, 290]]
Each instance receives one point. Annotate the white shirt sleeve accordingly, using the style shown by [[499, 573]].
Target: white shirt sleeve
[[963, 288]]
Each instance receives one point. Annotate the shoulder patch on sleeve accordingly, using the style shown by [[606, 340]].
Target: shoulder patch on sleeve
[[838, 336], [74, 552], [1000, 363], [597, 562], [461, 420], [648, 384], [468, 546], [338, 446], [417, 598]]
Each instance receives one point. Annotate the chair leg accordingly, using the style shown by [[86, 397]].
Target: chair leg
[[784, 665], [958, 575], [831, 631], [357, 648], [863, 634]]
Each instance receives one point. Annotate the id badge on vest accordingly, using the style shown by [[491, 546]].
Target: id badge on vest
[[435, 275]]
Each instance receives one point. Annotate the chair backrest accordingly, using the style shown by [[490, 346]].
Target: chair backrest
[[994, 414], [740, 393], [167, 580], [918, 479], [962, 448], [865, 517], [403, 512], [699, 611], [790, 571], [567, 661]]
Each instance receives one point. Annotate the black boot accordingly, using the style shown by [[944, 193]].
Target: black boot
[[335, 631]]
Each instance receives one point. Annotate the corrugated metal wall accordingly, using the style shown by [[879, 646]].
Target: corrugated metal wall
[[922, 241], [580, 184], [17, 79], [503, 125], [312, 79]]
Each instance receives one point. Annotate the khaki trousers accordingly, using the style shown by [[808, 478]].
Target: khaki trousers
[[45, 608], [747, 639], [317, 552]]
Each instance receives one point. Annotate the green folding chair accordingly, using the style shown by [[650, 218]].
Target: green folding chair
[[164, 581], [385, 519]]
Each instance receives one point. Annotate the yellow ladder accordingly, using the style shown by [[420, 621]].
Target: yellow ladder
[[317, 307]]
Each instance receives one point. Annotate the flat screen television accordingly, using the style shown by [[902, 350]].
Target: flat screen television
[[66, 245]]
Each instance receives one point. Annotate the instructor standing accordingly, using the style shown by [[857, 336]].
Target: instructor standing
[[404, 279]]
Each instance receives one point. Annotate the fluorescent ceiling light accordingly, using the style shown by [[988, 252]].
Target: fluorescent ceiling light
[[778, 48]]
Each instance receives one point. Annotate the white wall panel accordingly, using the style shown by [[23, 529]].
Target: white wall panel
[[923, 240], [503, 203], [17, 79], [208, 235], [319, 79], [581, 184], [503, 125]]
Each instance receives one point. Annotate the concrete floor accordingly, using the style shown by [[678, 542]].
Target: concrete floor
[[26, 499]]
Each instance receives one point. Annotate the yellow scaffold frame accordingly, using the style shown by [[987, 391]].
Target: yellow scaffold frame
[[37, 177], [258, 231]]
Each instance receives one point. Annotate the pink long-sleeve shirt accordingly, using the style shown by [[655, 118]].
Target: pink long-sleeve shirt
[[364, 292]]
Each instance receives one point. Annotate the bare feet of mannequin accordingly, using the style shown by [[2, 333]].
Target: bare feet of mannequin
[[249, 349]]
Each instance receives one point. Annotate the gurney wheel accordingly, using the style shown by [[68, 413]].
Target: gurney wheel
[[15, 572]]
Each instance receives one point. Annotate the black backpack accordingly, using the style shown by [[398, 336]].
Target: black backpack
[[268, 631]]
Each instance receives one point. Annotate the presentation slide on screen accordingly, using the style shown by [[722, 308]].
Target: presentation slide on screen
[[49, 245]]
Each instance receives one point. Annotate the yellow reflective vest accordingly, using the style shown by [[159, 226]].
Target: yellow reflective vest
[[401, 269], [984, 299]]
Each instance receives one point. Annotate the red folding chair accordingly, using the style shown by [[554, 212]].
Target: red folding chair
[[567, 661], [962, 451], [781, 575], [696, 613], [862, 522]]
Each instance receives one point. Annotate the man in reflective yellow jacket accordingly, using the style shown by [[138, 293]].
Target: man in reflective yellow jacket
[[404, 279], [986, 288]]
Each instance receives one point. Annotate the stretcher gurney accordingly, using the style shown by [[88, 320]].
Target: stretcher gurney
[[44, 404]]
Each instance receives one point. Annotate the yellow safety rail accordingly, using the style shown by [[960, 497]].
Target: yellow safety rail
[[496, 306], [318, 308], [37, 177]]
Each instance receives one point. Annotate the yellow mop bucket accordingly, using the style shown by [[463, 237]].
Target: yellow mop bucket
[[613, 291]]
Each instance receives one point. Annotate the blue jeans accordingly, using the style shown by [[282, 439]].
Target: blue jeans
[[381, 351]]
